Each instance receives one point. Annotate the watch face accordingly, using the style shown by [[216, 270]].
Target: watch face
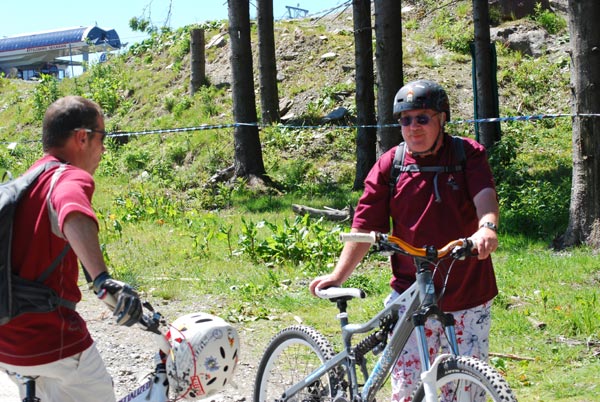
[[489, 225]]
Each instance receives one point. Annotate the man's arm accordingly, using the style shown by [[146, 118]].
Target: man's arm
[[486, 238], [81, 232]]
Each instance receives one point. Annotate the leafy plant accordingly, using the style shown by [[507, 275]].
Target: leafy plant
[[453, 32], [105, 84], [551, 22], [304, 241], [45, 93]]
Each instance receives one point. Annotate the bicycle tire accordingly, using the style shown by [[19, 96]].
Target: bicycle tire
[[460, 373], [290, 356]]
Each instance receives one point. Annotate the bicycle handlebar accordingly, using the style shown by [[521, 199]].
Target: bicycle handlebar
[[456, 248]]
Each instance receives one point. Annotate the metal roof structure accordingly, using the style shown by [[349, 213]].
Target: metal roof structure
[[36, 49]]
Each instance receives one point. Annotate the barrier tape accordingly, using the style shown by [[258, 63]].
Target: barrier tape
[[204, 127]]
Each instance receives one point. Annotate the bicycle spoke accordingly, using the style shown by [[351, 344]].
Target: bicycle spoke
[[291, 357]]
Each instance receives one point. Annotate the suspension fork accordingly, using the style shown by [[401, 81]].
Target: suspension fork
[[430, 309]]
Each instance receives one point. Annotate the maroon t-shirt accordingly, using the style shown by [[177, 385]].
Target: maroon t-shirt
[[40, 338], [422, 221]]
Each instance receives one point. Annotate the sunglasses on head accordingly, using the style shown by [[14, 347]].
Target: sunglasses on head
[[420, 119]]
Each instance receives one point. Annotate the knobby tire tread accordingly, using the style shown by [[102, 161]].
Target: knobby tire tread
[[469, 369], [302, 334]]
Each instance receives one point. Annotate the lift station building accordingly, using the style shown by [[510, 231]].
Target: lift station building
[[53, 52]]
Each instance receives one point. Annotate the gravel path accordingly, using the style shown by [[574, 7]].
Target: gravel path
[[129, 352]]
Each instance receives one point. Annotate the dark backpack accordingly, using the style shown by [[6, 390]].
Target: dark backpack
[[18, 295], [398, 165]]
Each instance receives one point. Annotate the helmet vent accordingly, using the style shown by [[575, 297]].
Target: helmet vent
[[203, 320]]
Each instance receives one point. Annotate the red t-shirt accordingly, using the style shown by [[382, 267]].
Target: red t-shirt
[[40, 338], [422, 221]]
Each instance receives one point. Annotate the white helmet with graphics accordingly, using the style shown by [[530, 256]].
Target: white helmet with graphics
[[203, 357]]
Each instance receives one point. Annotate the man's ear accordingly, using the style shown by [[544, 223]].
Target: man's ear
[[81, 136], [443, 120]]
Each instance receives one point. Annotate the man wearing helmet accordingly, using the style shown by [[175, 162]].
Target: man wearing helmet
[[431, 206]]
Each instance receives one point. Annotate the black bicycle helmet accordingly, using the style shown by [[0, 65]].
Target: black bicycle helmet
[[421, 94]]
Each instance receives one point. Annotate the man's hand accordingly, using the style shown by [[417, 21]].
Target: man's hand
[[120, 298], [486, 242]]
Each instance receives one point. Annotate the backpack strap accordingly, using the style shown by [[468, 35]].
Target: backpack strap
[[398, 165], [54, 264], [54, 224], [52, 214]]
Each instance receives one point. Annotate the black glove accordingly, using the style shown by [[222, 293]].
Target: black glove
[[120, 298]]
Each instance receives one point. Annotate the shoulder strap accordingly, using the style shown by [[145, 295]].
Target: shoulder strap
[[54, 264], [398, 163], [459, 151], [52, 214], [54, 221]]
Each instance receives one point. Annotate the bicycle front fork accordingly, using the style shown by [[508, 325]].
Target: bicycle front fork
[[447, 321]]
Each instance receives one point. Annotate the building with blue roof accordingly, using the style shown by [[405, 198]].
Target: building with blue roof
[[52, 52]]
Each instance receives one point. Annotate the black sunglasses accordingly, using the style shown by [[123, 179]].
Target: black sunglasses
[[421, 119]]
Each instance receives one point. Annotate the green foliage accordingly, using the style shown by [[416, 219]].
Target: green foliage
[[207, 97], [495, 13], [538, 208], [140, 204], [18, 159], [140, 25], [535, 79], [105, 85], [534, 202], [45, 93], [303, 242], [550, 21], [136, 158], [176, 42], [184, 104], [454, 32]]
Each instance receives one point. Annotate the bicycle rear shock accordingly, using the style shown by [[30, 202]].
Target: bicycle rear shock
[[376, 341]]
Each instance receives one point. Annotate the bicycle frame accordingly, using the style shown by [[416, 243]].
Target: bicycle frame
[[410, 316], [154, 389]]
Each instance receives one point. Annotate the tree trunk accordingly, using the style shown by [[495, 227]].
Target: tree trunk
[[484, 70], [366, 137], [584, 212], [247, 147], [269, 98], [197, 60], [388, 54]]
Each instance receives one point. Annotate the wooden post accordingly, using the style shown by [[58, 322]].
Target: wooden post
[[197, 60]]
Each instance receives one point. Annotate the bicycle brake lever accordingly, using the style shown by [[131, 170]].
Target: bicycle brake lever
[[467, 249], [151, 322]]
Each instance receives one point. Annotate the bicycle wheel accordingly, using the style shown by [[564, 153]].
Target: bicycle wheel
[[465, 379], [291, 355]]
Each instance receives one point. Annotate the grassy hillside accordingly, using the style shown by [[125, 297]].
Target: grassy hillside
[[246, 255]]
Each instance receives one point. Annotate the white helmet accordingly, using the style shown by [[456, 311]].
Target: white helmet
[[204, 354]]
